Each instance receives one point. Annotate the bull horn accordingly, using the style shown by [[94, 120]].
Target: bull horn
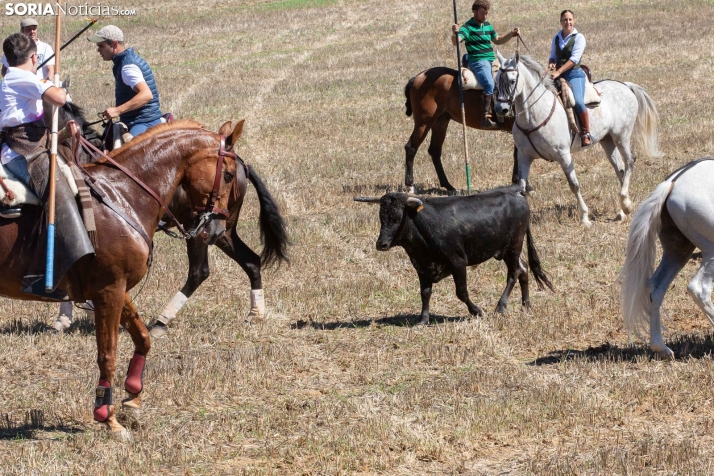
[[415, 203], [368, 199]]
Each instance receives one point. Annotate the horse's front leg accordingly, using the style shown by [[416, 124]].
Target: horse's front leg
[[522, 167], [108, 307], [134, 382], [569, 170]]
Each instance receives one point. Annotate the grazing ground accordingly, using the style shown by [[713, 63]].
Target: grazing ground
[[337, 380]]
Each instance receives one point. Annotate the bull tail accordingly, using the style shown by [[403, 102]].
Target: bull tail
[[408, 103], [534, 262], [273, 232]]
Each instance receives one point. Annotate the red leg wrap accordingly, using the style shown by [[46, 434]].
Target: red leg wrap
[[102, 401], [134, 382]]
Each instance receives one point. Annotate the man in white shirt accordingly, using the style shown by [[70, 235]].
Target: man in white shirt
[[25, 135], [29, 27]]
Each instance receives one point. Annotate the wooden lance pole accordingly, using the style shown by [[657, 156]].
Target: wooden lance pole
[[50, 263], [463, 110]]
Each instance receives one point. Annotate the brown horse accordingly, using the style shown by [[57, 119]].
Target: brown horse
[[182, 155], [433, 100]]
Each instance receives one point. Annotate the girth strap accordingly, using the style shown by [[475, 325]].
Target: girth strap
[[530, 131]]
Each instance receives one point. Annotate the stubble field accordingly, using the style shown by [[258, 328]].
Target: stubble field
[[337, 380]]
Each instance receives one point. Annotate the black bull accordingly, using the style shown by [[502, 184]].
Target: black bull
[[444, 235]]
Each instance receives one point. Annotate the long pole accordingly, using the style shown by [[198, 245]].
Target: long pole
[[92, 21], [463, 110], [50, 263]]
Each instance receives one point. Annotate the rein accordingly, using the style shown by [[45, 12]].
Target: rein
[[529, 131], [208, 210]]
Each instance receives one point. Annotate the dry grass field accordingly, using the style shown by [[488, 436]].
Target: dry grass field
[[337, 380]]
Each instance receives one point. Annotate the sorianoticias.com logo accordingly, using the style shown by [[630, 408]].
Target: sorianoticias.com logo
[[86, 9]]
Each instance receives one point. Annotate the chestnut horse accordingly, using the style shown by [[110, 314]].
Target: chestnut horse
[[433, 100], [183, 155], [272, 231]]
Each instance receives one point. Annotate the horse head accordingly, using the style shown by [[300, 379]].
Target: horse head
[[508, 83], [208, 183]]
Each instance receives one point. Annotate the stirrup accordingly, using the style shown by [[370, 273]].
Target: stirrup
[[584, 137], [10, 213]]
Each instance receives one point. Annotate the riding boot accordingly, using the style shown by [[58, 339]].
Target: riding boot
[[584, 118], [71, 239], [486, 122]]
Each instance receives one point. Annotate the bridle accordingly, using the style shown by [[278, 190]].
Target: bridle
[[207, 212]]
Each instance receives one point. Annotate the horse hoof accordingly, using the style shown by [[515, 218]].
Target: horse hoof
[[664, 354], [121, 434], [158, 331], [62, 323], [621, 216], [411, 190], [586, 223]]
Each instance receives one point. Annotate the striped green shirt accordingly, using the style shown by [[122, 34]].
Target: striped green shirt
[[478, 40]]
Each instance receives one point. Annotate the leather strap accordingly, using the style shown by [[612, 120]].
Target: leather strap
[[528, 132]]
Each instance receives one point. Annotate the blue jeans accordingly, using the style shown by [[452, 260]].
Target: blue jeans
[[137, 128], [484, 74], [576, 78], [18, 167]]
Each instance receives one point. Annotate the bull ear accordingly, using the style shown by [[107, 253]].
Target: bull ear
[[225, 129], [414, 202], [368, 199], [237, 132]]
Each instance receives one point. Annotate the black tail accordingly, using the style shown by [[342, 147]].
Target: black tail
[[272, 226], [534, 263], [408, 104]]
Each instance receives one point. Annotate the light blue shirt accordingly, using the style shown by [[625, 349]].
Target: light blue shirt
[[578, 46]]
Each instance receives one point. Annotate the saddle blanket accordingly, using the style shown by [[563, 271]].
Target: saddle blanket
[[592, 95], [468, 79], [22, 194]]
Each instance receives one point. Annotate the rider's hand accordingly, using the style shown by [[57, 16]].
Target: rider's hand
[[455, 28], [516, 31], [111, 113]]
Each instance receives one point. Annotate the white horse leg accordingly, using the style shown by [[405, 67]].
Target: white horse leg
[[64, 318], [669, 267], [613, 155], [524, 169], [623, 145], [700, 287], [569, 170]]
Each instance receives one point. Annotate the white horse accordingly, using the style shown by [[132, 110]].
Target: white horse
[[680, 212], [541, 128]]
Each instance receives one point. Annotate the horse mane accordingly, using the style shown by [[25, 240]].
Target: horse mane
[[156, 130], [538, 72]]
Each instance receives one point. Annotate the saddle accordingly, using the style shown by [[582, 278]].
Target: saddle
[[592, 97], [468, 79]]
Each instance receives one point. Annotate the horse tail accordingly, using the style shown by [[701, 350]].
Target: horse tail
[[534, 262], [408, 104], [273, 232], [647, 122], [639, 260]]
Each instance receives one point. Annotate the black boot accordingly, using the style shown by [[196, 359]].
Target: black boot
[[486, 122]]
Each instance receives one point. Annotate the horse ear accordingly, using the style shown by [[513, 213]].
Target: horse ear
[[501, 59], [235, 135], [225, 129], [518, 56]]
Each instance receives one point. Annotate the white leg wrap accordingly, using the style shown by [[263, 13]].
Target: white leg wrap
[[172, 308], [257, 304]]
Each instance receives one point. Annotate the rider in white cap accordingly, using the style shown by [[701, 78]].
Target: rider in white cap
[[137, 98]]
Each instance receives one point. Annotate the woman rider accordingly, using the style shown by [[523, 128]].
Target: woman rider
[[566, 53]]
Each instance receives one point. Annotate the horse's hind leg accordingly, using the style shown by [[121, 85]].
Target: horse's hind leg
[[700, 287], [628, 160], [134, 382], [239, 252], [438, 135], [613, 156], [569, 170], [64, 317], [676, 251], [198, 272], [418, 135]]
